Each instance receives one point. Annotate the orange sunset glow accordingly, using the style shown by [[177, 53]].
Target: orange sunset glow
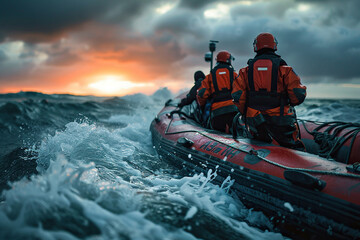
[[115, 48], [99, 73]]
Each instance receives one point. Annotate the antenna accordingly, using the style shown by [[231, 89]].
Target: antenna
[[209, 55]]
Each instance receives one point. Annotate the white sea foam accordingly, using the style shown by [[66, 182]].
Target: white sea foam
[[192, 211], [98, 183], [288, 206]]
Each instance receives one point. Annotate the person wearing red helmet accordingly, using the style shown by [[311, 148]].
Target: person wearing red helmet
[[266, 92], [216, 89]]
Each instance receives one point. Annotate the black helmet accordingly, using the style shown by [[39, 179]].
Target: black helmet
[[198, 75]]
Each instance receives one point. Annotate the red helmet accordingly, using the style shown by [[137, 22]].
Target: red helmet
[[265, 40], [224, 56]]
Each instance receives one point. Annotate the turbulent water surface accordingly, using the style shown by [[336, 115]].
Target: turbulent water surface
[[84, 167]]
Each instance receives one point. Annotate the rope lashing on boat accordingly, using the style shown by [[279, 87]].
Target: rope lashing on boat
[[236, 126], [253, 152], [330, 143]]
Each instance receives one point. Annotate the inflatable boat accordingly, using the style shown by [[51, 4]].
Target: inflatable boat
[[306, 195]]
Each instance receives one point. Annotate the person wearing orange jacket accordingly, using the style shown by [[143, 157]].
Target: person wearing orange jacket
[[266, 92], [216, 90]]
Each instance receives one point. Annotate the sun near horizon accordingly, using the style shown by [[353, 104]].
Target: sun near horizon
[[106, 85]]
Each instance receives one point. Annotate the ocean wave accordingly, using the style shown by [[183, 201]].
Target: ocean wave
[[84, 167]]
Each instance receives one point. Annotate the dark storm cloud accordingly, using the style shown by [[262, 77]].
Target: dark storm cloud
[[313, 55], [48, 17], [346, 12], [317, 53], [196, 4], [321, 42], [318, 58], [123, 12], [275, 9], [167, 50], [343, 12], [184, 25], [22, 18]]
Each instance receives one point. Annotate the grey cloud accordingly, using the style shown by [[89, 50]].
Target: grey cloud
[[166, 50], [63, 58], [187, 26], [199, 4], [347, 12], [182, 22], [337, 12], [238, 38], [315, 53], [14, 71], [196, 4], [47, 18], [315, 56], [260, 9], [3, 56], [11, 69], [124, 12], [181, 35]]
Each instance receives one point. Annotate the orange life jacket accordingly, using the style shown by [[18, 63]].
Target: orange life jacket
[[263, 94], [223, 94]]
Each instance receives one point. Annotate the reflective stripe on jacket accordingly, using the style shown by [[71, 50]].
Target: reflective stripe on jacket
[[222, 99]]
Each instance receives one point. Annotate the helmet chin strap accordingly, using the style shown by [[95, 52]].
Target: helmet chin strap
[[276, 43]]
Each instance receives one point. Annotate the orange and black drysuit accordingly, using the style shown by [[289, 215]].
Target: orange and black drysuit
[[265, 93], [216, 88]]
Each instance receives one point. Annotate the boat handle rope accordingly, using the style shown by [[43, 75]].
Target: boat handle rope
[[254, 152], [330, 143]]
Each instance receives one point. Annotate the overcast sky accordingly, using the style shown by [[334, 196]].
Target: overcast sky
[[116, 47]]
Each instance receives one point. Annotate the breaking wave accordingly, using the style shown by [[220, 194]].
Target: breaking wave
[[84, 167]]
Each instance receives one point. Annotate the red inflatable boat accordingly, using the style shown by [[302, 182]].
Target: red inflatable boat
[[304, 194]]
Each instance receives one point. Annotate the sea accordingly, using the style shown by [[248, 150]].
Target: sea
[[84, 167]]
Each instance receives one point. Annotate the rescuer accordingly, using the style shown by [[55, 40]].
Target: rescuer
[[191, 96], [215, 90], [266, 92]]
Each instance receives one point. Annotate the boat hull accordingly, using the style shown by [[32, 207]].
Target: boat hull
[[329, 209]]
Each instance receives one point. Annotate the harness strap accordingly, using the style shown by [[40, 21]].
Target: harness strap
[[251, 75], [274, 73], [283, 101], [213, 76]]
